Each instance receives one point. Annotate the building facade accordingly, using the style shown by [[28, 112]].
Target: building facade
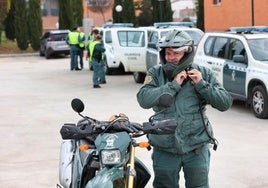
[[99, 16], [219, 14], [50, 12], [223, 14], [92, 10]]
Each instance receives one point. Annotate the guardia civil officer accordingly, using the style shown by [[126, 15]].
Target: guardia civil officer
[[192, 87], [92, 37], [73, 40], [81, 44], [96, 55]]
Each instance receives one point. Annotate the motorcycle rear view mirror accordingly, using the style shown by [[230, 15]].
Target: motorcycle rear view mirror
[[77, 105], [166, 100]]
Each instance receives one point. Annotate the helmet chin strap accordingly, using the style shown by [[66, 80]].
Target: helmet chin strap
[[169, 68], [186, 62]]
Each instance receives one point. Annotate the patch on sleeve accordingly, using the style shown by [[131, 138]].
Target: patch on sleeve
[[148, 79]]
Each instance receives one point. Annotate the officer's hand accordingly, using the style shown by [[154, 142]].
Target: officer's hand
[[195, 75], [180, 77]]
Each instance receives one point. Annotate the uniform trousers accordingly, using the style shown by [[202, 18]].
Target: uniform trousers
[[195, 166], [98, 71], [74, 52], [81, 56]]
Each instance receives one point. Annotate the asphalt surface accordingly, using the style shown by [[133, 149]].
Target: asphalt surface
[[35, 102]]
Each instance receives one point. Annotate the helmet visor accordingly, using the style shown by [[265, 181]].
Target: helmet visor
[[186, 49]]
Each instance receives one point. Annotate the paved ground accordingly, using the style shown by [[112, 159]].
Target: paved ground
[[35, 102]]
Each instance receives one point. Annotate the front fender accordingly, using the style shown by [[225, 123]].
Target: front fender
[[105, 178]]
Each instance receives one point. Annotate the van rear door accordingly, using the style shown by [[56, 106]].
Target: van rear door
[[131, 49]]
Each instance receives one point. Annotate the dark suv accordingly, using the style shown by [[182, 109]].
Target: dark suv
[[53, 43]]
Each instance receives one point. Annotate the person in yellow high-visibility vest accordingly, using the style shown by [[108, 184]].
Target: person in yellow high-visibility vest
[[73, 40], [91, 37], [81, 44], [97, 50]]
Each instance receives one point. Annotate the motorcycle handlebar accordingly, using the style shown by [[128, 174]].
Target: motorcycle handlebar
[[167, 126], [71, 131]]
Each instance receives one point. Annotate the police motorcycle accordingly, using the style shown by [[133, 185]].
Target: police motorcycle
[[101, 154]]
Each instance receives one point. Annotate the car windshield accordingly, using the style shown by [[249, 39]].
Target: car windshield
[[195, 36], [259, 48]]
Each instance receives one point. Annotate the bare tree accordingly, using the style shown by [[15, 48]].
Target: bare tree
[[99, 6]]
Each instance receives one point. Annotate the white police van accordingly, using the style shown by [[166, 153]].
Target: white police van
[[239, 59], [125, 48]]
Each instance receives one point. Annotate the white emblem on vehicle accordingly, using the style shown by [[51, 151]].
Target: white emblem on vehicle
[[233, 75], [110, 140]]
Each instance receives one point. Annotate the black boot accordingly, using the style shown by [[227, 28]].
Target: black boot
[[96, 86]]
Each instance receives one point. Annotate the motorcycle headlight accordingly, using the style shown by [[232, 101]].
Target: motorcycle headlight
[[110, 157]]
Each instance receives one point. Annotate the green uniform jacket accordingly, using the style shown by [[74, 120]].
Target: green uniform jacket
[[96, 50], [190, 132]]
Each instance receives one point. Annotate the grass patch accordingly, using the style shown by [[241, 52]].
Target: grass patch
[[8, 46]]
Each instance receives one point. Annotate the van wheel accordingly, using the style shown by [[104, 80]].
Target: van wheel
[[139, 77], [259, 102], [108, 71]]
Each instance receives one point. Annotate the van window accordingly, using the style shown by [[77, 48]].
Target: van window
[[108, 37], [154, 38], [195, 35], [208, 45], [220, 47], [131, 38], [236, 48], [259, 49]]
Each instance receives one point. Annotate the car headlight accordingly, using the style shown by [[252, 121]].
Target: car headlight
[[110, 157]]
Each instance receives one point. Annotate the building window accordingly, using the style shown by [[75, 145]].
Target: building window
[[50, 7], [216, 2]]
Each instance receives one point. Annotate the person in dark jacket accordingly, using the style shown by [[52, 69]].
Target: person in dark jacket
[[91, 38], [97, 50], [192, 88]]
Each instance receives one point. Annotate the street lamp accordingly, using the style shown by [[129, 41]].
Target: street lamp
[[118, 9], [160, 8]]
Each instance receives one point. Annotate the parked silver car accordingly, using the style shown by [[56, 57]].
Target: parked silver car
[[53, 43]]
